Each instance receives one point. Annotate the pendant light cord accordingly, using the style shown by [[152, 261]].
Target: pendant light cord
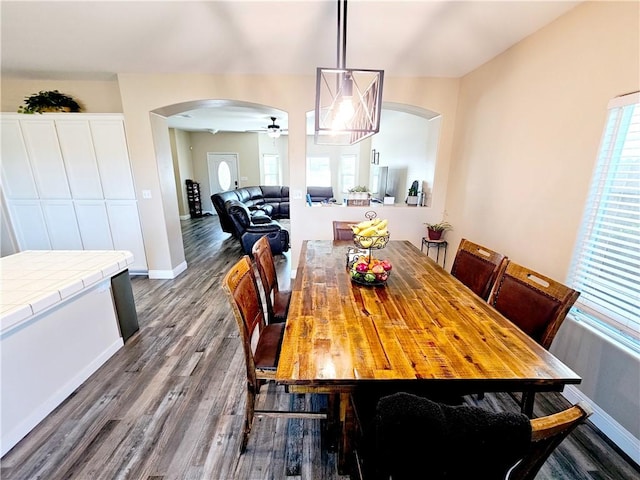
[[342, 34]]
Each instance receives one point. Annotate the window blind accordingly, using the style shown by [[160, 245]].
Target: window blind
[[606, 261]]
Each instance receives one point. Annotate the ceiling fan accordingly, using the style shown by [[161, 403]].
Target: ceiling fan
[[273, 130]]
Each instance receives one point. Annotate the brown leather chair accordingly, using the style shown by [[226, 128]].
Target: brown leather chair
[[536, 304], [413, 437], [342, 230], [261, 342], [477, 267], [277, 300]]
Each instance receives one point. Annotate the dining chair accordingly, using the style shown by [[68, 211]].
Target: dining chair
[[536, 304], [277, 300], [342, 230], [414, 437], [477, 267], [260, 342]]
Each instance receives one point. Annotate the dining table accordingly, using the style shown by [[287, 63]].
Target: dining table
[[422, 330]]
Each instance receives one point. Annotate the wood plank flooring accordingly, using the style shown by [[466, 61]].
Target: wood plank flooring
[[170, 404]]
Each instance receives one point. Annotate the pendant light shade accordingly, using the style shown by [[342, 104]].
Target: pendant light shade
[[348, 100], [348, 105]]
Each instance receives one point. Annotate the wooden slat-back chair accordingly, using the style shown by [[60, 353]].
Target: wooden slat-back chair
[[373, 462], [342, 230], [477, 267], [277, 300], [261, 342], [546, 434], [535, 303]]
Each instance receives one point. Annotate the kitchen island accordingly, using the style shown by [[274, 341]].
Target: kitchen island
[[60, 320]]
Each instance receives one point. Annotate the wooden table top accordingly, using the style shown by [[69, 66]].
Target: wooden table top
[[423, 325]]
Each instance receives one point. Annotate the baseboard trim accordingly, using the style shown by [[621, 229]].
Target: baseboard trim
[[167, 274], [607, 425]]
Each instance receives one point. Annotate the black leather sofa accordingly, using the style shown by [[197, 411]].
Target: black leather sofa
[[251, 212]]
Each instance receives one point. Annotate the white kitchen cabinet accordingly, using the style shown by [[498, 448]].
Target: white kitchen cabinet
[[79, 159], [68, 183], [62, 226], [93, 223], [45, 158], [123, 214], [15, 163], [110, 144], [29, 225]]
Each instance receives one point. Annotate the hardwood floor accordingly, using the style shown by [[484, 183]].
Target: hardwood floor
[[170, 404]]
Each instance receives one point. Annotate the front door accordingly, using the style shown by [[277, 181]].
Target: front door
[[223, 172]]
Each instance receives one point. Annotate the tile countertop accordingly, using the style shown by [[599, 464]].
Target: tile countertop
[[35, 280]]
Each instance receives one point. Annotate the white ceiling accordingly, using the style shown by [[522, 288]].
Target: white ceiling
[[98, 39]]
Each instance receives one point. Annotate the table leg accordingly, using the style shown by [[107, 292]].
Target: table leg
[[345, 451]]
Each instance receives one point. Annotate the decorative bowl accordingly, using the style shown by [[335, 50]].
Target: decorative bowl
[[373, 272], [362, 241]]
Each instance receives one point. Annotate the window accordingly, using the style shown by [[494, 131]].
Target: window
[[318, 172], [606, 262], [348, 171], [270, 169]]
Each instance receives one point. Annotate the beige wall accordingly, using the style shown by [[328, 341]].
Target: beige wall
[[529, 125], [182, 165], [93, 95]]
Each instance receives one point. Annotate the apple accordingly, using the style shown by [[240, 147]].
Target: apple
[[386, 264], [377, 268], [362, 268], [369, 277], [382, 277]]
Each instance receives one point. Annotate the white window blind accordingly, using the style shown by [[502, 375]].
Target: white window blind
[[270, 169], [606, 261], [318, 171]]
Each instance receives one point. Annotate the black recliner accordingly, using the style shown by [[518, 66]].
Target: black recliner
[[251, 227]]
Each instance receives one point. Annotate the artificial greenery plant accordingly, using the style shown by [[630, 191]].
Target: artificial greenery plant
[[49, 101]]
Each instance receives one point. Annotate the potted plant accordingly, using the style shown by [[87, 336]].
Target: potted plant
[[49, 101], [412, 198], [435, 230], [358, 196]]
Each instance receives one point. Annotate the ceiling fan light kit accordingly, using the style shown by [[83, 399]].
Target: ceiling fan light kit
[[273, 130], [348, 101]]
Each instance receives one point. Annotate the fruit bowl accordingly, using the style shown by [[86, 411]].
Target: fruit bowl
[[374, 272], [362, 241]]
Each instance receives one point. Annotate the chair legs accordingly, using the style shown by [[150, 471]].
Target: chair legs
[[526, 404], [248, 416]]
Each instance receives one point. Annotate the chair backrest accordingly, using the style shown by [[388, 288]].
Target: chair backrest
[[477, 267], [242, 290], [546, 434], [342, 230], [535, 303], [261, 252], [419, 438]]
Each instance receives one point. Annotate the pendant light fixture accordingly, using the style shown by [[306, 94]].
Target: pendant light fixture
[[348, 101]]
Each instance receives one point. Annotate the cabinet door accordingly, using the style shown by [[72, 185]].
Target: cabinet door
[[93, 223], [46, 160], [17, 178], [125, 230], [60, 217], [29, 225], [79, 158], [110, 144]]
